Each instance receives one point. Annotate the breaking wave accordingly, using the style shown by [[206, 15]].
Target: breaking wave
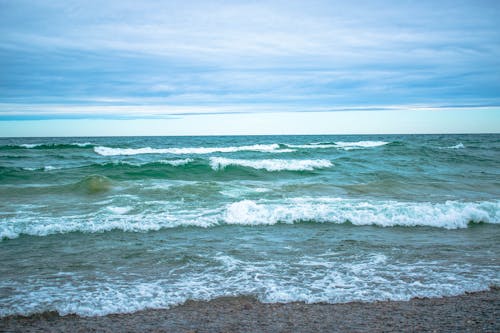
[[219, 163], [447, 215], [108, 151], [457, 146], [269, 148], [339, 145], [360, 144], [48, 145]]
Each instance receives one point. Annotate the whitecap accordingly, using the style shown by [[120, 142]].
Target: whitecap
[[447, 215], [312, 146], [82, 144], [360, 144], [50, 168], [340, 145], [457, 146], [177, 162], [30, 145], [219, 163], [108, 151], [119, 210], [35, 145]]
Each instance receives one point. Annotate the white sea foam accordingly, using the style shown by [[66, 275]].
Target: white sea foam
[[34, 145], [270, 148], [83, 144], [50, 168], [448, 215], [44, 168], [177, 162], [307, 278], [119, 210], [313, 146], [173, 162], [340, 145], [360, 144], [108, 151], [457, 146], [239, 191], [219, 163], [30, 145]]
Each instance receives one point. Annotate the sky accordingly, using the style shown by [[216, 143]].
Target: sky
[[79, 68]]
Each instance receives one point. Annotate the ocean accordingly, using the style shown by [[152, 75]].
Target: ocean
[[102, 225]]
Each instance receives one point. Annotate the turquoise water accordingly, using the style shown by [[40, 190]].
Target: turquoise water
[[104, 225]]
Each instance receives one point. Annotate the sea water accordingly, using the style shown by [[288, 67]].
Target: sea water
[[94, 226]]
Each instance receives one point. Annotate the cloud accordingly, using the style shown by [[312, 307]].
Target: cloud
[[127, 57]]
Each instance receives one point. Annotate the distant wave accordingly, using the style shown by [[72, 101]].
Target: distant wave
[[172, 162], [340, 145], [447, 215], [457, 146], [177, 162], [202, 165], [108, 151], [48, 145], [45, 168], [313, 146], [360, 144], [219, 163], [50, 168], [273, 148]]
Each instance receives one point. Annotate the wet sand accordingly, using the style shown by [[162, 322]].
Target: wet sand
[[472, 312]]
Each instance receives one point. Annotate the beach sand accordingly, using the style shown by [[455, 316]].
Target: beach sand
[[472, 312]]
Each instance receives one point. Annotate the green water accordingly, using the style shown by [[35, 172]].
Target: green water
[[103, 225]]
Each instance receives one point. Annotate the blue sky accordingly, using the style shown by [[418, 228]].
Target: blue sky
[[248, 67]]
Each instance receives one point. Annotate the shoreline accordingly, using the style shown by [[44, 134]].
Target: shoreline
[[470, 312]]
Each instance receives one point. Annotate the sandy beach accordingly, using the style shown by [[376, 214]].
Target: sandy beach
[[472, 312]]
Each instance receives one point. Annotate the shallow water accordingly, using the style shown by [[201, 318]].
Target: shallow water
[[103, 225]]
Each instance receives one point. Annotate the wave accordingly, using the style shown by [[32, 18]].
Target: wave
[[340, 145], [88, 185], [48, 145], [219, 163], [45, 168], [94, 184], [170, 162], [177, 162], [371, 279], [457, 146], [185, 166], [108, 151], [447, 215], [306, 277], [313, 146], [274, 148], [50, 168], [360, 144]]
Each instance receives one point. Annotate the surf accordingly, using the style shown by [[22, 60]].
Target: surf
[[109, 151], [446, 215]]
